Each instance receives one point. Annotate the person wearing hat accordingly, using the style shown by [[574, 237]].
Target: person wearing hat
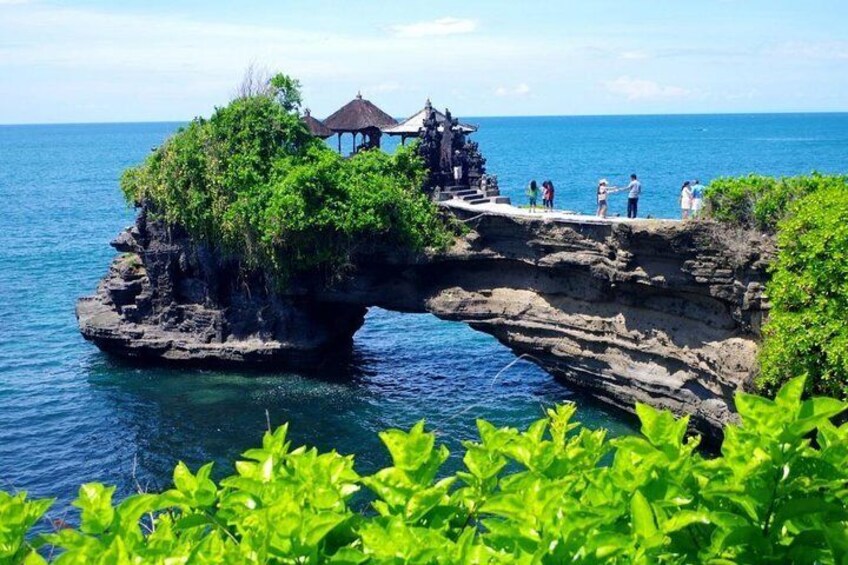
[[602, 198]]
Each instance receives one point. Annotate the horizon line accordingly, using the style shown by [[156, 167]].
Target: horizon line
[[471, 117]]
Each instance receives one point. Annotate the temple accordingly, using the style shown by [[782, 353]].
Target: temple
[[415, 124], [456, 170], [359, 117], [316, 126]]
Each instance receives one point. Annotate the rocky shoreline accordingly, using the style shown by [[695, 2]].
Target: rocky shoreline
[[666, 313]]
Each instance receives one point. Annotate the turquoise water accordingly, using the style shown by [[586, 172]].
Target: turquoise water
[[70, 414]]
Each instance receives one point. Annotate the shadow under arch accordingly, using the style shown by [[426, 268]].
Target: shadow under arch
[[401, 368]]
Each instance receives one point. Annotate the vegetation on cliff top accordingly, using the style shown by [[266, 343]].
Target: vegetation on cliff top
[[554, 493], [806, 332], [252, 181]]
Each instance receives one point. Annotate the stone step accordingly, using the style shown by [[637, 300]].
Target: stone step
[[473, 196], [463, 193], [502, 200], [478, 200]]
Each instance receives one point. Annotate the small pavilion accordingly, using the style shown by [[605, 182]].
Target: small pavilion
[[359, 117], [316, 126], [412, 126]]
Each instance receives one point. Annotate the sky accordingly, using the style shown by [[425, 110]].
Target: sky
[[98, 61]]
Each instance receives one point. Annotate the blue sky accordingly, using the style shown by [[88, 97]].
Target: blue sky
[[141, 61]]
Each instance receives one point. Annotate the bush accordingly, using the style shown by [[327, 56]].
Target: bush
[[252, 181], [806, 333], [761, 202], [545, 495]]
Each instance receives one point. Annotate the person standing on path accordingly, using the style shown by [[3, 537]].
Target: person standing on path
[[697, 198], [685, 201], [602, 198], [532, 195], [634, 189], [548, 196]]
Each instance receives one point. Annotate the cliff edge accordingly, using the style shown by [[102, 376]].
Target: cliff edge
[[666, 313]]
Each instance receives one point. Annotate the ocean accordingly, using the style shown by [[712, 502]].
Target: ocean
[[70, 414]]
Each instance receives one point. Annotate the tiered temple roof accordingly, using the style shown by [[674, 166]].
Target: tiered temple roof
[[413, 125], [316, 126], [358, 115]]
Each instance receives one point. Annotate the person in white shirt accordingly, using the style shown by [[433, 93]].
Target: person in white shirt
[[685, 201], [634, 189], [602, 198]]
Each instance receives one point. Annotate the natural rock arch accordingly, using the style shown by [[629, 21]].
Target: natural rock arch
[[662, 312]]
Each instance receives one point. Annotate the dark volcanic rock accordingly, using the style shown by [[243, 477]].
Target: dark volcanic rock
[[666, 313], [167, 298]]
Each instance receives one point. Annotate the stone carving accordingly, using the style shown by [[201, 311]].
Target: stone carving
[[443, 150]]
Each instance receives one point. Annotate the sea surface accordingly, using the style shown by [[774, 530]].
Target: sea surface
[[71, 414]]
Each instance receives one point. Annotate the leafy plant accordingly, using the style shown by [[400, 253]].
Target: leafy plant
[[252, 181], [761, 202], [553, 493], [806, 332]]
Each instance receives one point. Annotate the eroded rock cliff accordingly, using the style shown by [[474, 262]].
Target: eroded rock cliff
[[666, 313]]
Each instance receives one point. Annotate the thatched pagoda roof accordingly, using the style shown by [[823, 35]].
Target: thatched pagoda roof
[[358, 115], [316, 126], [415, 123]]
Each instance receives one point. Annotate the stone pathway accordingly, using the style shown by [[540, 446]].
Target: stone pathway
[[471, 195], [507, 209]]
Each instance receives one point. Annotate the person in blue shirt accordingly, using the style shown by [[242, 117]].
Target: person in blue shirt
[[634, 189], [697, 198]]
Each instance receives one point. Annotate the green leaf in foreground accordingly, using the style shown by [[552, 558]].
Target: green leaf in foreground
[[545, 495]]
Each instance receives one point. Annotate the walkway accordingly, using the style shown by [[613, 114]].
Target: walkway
[[558, 215]]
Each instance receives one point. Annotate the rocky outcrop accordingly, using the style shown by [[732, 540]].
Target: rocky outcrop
[[666, 313]]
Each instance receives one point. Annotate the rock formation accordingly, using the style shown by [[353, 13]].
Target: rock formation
[[666, 313]]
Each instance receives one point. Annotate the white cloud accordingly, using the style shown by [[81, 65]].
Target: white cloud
[[438, 27], [139, 66], [388, 86], [634, 55], [641, 89], [819, 50], [521, 90]]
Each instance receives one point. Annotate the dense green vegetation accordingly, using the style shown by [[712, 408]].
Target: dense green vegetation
[[553, 493], [806, 333], [761, 202], [253, 181]]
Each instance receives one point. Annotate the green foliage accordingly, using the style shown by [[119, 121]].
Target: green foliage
[[806, 332], [757, 201], [287, 91], [554, 493], [254, 182]]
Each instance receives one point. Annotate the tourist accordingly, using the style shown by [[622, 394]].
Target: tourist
[[603, 191], [545, 194], [685, 200], [457, 168], [532, 195], [634, 189], [697, 198], [550, 203]]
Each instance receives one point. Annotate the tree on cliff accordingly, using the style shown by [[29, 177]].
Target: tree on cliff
[[254, 182]]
